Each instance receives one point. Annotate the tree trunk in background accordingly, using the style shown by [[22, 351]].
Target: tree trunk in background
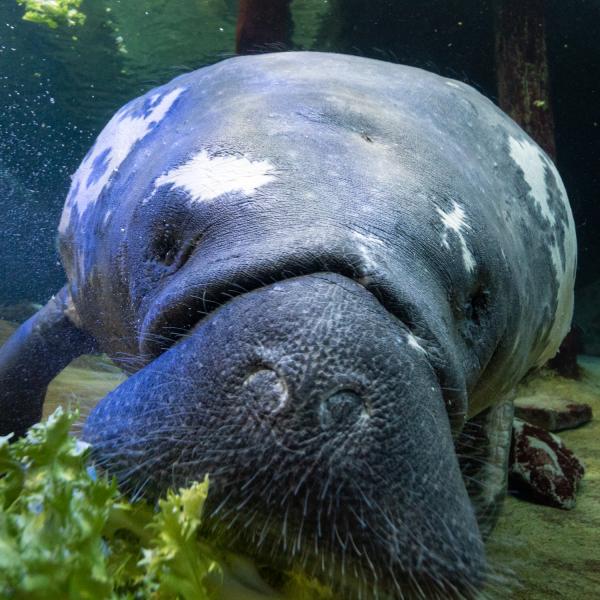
[[263, 26], [522, 68]]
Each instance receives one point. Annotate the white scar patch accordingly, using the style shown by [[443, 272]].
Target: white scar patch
[[533, 164], [368, 239], [366, 248], [206, 177], [413, 342], [565, 274], [453, 84], [113, 145], [455, 221]]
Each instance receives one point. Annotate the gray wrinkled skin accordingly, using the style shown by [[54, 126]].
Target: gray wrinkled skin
[[319, 268], [320, 430]]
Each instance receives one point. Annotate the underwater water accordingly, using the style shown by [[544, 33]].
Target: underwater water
[[68, 67]]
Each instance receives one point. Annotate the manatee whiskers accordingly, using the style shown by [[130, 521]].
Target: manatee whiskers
[[336, 566], [291, 541], [501, 579], [137, 492], [129, 361]]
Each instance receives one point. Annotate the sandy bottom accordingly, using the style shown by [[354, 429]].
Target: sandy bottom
[[554, 553], [541, 553], [81, 384]]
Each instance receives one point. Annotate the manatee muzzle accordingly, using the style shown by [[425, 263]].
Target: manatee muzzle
[[322, 426]]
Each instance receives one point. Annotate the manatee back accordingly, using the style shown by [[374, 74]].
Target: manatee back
[[431, 158]]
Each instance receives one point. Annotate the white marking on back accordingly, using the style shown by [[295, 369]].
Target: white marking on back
[[453, 84], [455, 221], [368, 239], [112, 147], [533, 164], [205, 178], [565, 276], [366, 244]]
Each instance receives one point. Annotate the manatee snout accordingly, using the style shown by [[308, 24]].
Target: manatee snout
[[324, 431]]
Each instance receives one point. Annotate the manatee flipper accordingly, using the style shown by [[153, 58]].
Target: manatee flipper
[[483, 449], [36, 352]]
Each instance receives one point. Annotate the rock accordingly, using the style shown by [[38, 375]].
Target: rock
[[542, 468], [552, 413]]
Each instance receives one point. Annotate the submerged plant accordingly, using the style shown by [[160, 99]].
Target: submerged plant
[[53, 12], [52, 513], [65, 532]]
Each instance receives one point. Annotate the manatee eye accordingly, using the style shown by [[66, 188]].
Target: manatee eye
[[171, 248], [477, 304]]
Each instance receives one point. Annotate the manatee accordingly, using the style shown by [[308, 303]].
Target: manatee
[[326, 275]]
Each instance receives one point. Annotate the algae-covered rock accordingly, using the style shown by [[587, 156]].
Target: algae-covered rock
[[542, 468], [552, 413]]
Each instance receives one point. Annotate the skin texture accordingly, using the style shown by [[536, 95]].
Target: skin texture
[[319, 268]]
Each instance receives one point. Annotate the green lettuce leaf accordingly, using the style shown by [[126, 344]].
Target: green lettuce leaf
[[65, 532], [51, 517]]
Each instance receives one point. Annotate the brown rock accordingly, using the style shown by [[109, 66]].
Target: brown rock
[[541, 468], [552, 413]]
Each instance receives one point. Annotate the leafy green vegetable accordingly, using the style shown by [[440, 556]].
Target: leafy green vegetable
[[178, 563], [66, 533], [53, 12], [52, 513]]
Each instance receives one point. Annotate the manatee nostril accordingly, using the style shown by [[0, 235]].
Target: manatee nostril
[[268, 389], [342, 407]]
